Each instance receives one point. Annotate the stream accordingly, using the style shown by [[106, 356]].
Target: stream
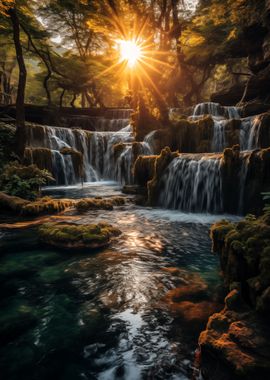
[[131, 311]]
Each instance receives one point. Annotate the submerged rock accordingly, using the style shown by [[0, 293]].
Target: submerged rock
[[74, 236]]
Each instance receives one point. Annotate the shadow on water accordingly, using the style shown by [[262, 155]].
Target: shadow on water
[[131, 311]]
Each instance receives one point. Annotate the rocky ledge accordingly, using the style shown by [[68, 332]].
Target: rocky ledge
[[235, 344]]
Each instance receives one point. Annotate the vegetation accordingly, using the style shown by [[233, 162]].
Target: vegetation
[[89, 236], [23, 181]]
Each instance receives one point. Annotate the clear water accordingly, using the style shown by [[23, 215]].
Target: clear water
[[131, 311]]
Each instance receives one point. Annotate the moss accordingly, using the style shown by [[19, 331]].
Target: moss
[[245, 256], [86, 204], [161, 163], [144, 169], [12, 203], [7, 139], [90, 236], [218, 232], [77, 160], [46, 205], [41, 157]]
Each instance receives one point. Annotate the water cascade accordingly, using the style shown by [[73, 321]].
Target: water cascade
[[215, 109], [249, 127], [97, 149], [193, 185], [114, 120]]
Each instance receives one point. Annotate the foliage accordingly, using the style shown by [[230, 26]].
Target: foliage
[[23, 181], [7, 134], [266, 197]]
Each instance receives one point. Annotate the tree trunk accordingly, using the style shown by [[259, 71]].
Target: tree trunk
[[44, 60], [20, 137], [61, 98], [72, 103]]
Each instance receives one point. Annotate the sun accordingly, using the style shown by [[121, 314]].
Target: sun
[[130, 52]]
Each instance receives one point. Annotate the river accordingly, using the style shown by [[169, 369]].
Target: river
[[131, 311]]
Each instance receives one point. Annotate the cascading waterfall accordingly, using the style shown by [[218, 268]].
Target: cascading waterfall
[[192, 185], [250, 133], [249, 126], [242, 181], [219, 140], [97, 149], [215, 109]]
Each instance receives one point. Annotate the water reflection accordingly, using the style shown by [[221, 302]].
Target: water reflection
[[132, 311]]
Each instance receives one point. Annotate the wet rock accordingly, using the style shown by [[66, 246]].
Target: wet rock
[[46, 205], [86, 204], [144, 169], [161, 163], [77, 237], [254, 107]]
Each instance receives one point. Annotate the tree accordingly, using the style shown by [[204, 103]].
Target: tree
[[20, 111]]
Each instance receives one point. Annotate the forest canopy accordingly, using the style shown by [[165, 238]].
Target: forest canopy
[[72, 50]]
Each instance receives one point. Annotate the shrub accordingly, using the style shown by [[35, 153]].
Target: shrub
[[23, 181]]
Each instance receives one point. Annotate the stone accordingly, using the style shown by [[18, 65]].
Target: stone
[[77, 237]]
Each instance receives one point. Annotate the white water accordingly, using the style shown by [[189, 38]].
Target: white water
[[192, 185], [249, 129], [97, 148], [215, 109]]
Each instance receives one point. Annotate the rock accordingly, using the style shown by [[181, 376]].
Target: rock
[[12, 203], [254, 107], [235, 344], [161, 163], [46, 205], [144, 169], [77, 237], [86, 204]]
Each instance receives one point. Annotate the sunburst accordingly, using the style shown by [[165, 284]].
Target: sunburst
[[136, 55]]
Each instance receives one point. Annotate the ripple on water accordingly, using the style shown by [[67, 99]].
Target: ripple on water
[[132, 311]]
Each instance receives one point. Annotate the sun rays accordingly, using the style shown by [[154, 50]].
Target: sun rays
[[134, 55]]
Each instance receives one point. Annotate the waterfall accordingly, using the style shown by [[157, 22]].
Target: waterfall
[[215, 109], [97, 149], [242, 181], [192, 185], [219, 140], [250, 133], [253, 141], [124, 163]]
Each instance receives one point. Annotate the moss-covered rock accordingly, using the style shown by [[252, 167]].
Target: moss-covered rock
[[235, 344], [46, 205], [77, 160], [11, 203], [40, 206], [41, 157], [74, 236], [144, 169], [86, 204], [161, 163]]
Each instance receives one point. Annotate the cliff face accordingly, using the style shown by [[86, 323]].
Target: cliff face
[[235, 344]]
